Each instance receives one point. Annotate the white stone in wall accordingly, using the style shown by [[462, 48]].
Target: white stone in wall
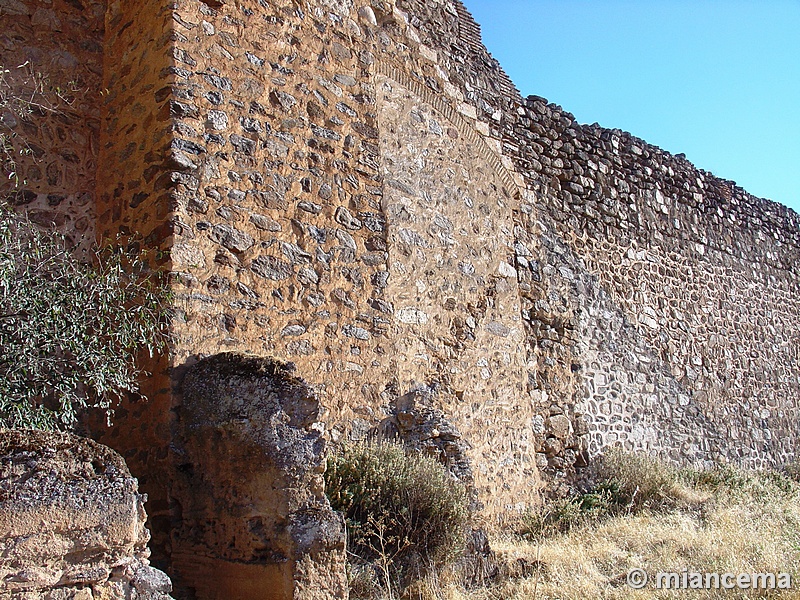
[[186, 255], [506, 270], [411, 316], [468, 110], [368, 15], [427, 53]]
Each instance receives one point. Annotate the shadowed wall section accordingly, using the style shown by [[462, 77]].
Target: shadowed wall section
[[135, 198], [53, 54]]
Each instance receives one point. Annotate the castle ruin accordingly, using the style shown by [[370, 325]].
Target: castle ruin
[[358, 188]]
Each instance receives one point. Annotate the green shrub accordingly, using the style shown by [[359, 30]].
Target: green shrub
[[720, 476], [404, 511], [69, 329], [727, 480], [792, 470], [560, 516]]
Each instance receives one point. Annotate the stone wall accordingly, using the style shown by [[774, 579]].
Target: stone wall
[[358, 188], [291, 226], [547, 428], [687, 334], [53, 55], [71, 522], [454, 290], [135, 198], [279, 247], [641, 280]]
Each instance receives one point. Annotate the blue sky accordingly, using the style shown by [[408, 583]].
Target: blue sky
[[718, 80]]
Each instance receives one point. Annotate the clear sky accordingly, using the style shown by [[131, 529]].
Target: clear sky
[[718, 80]]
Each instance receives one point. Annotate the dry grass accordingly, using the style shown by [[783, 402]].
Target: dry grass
[[723, 520]]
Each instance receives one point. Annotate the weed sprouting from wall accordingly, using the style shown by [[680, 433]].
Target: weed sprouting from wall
[[24, 95]]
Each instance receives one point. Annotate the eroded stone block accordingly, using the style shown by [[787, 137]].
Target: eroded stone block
[[252, 517]]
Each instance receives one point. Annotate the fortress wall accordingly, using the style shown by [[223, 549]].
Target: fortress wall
[[641, 279], [53, 55], [548, 304], [136, 187], [294, 239], [457, 325], [280, 248], [359, 189], [693, 270]]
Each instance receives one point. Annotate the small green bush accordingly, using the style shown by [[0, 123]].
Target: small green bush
[[733, 482], [404, 512], [70, 329], [719, 477], [562, 515], [792, 470], [623, 483]]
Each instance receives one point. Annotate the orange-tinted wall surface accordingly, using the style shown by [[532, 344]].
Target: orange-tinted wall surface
[[359, 189]]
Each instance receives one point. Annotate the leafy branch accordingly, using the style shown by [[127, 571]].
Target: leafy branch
[[23, 94], [70, 330]]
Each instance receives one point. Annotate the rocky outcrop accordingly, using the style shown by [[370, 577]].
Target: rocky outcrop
[[72, 523], [253, 519]]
